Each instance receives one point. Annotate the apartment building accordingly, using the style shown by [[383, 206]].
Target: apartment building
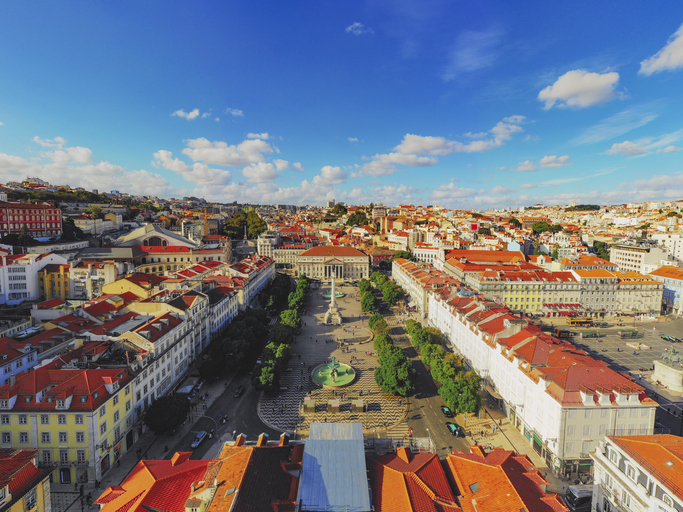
[[562, 400], [638, 258], [638, 473], [53, 281], [79, 420], [417, 280], [529, 292], [41, 219], [23, 485], [87, 278], [672, 279], [19, 279]]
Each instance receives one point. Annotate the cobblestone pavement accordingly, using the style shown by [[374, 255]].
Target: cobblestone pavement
[[283, 410]]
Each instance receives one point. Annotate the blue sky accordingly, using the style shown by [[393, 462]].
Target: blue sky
[[461, 104]]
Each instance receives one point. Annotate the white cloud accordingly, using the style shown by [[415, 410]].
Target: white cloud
[[261, 172], [616, 125], [452, 191], [352, 139], [580, 89], [500, 190], [1, 124], [330, 176], [198, 173], [669, 149], [472, 51], [627, 148], [298, 167], [221, 153], [234, 112], [263, 136], [76, 154], [528, 185], [186, 115], [555, 161], [217, 119], [668, 58], [526, 166], [358, 29], [57, 142], [423, 150], [206, 114]]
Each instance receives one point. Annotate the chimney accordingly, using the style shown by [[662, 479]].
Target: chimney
[[284, 439], [262, 440], [241, 440], [404, 454], [180, 457]]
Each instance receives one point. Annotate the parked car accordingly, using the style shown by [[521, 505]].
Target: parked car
[[239, 391], [446, 411], [199, 439], [454, 429]]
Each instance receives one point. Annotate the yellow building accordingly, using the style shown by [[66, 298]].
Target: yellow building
[[142, 285], [24, 487], [80, 421], [53, 281]]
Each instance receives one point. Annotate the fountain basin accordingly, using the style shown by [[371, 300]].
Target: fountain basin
[[327, 294], [333, 375]]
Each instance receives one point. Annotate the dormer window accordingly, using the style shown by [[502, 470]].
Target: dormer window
[[4, 404], [84, 399], [61, 403], [27, 399], [49, 399]]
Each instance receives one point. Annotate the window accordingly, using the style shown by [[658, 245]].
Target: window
[[44, 419], [604, 413], [626, 499], [61, 403], [127, 405], [116, 400], [117, 416], [614, 456], [667, 500], [23, 419], [45, 437], [63, 438], [4, 404], [103, 410], [6, 438], [570, 430], [631, 472], [79, 419], [61, 419], [587, 414], [23, 437], [80, 437], [80, 456], [569, 447], [30, 499], [587, 430], [4, 419], [571, 413], [103, 428], [47, 456], [127, 390], [634, 413], [64, 456]]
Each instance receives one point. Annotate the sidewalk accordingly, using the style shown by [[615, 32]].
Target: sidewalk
[[508, 438], [65, 498]]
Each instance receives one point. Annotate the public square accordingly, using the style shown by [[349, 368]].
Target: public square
[[317, 343]]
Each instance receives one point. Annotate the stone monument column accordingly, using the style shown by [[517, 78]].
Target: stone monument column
[[333, 301]]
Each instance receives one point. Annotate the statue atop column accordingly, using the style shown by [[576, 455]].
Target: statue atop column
[[333, 316]]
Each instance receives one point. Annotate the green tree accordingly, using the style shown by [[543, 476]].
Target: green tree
[[266, 376], [25, 237], [382, 341], [380, 326], [280, 334], [95, 212], [70, 232], [368, 302], [290, 318], [357, 218], [364, 285], [412, 326], [515, 223], [339, 210], [484, 231], [460, 395], [555, 254], [378, 278], [395, 374], [406, 255], [391, 293], [540, 227], [166, 413]]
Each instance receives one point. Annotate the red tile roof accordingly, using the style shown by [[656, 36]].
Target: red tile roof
[[500, 481], [331, 251], [19, 472]]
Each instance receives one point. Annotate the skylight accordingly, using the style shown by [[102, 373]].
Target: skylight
[[669, 463]]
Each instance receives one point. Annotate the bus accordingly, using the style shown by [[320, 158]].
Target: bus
[[579, 322], [592, 334]]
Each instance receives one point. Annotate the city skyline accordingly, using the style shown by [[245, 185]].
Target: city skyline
[[468, 106]]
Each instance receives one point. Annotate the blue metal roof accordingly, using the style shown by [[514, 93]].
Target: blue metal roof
[[333, 476]]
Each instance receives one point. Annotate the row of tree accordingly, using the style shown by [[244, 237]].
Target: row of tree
[[395, 374], [377, 323], [391, 292], [277, 353], [459, 388]]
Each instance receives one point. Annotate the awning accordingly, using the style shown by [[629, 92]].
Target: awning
[[492, 392]]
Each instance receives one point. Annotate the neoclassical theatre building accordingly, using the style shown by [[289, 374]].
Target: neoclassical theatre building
[[324, 261]]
